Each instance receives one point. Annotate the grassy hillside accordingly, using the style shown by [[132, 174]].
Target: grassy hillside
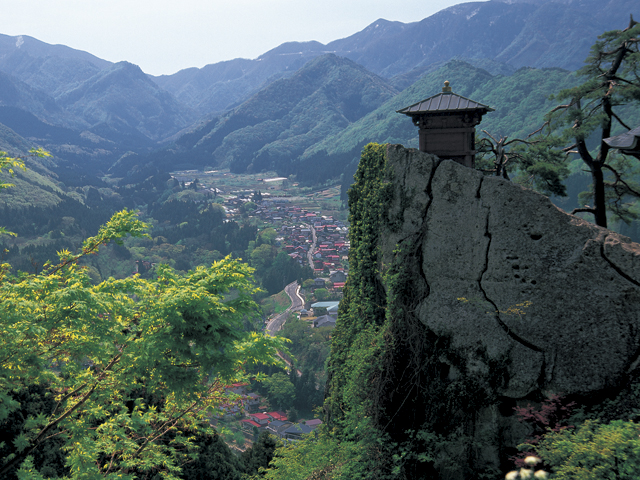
[[520, 102]]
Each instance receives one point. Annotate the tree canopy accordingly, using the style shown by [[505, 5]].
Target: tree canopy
[[97, 347], [591, 113]]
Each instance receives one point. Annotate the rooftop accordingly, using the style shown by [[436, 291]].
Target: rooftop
[[444, 102]]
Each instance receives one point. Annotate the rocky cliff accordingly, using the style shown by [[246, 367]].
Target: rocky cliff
[[487, 296], [504, 268]]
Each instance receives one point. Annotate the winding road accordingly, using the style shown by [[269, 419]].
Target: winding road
[[293, 291]]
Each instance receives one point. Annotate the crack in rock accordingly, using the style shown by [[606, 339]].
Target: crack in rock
[[503, 325], [617, 269]]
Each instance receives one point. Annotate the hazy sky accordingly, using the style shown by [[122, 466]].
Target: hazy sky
[[164, 36]]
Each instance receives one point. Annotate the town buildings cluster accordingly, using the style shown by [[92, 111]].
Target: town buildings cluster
[[309, 237], [246, 405]]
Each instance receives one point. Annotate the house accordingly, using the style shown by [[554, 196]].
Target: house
[[277, 416], [252, 402], [315, 423], [248, 425], [260, 418], [338, 276], [324, 321], [237, 388], [332, 307], [296, 431], [277, 427]]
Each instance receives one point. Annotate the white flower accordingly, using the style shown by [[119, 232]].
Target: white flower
[[541, 475], [511, 475], [531, 461], [525, 473]]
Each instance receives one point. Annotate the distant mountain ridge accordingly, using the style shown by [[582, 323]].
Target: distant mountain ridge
[[533, 33], [277, 124], [229, 114]]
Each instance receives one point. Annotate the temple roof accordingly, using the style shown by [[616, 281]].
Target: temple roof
[[447, 101], [626, 141]]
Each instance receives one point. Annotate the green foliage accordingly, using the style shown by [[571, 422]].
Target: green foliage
[[593, 451], [257, 458], [8, 164], [535, 163], [275, 268], [310, 346], [362, 310], [593, 111], [96, 346], [321, 294], [280, 391], [213, 459], [34, 402]]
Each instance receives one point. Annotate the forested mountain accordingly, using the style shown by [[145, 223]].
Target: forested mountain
[[275, 127], [121, 101], [53, 69], [519, 33], [18, 94], [218, 87], [115, 108], [256, 136]]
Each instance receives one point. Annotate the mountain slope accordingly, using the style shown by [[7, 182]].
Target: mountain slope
[[15, 93], [218, 87], [555, 33], [35, 187], [535, 33], [275, 126], [122, 100], [51, 68]]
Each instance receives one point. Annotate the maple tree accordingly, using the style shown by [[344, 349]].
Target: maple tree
[[96, 347]]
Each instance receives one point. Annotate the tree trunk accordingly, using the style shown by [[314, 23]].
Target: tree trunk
[[599, 204]]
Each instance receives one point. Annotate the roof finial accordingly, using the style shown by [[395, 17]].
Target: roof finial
[[446, 88]]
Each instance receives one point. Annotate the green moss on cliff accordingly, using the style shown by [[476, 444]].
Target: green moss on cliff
[[390, 376]]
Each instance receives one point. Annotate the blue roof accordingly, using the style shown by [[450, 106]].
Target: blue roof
[[299, 429], [325, 304]]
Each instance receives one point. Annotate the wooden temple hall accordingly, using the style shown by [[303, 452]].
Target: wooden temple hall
[[447, 125]]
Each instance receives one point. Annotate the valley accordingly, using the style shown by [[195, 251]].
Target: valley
[[258, 241]]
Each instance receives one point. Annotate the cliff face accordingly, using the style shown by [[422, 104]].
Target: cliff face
[[556, 296], [493, 298]]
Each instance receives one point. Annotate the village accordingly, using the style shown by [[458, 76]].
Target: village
[[306, 221], [244, 414], [309, 229]]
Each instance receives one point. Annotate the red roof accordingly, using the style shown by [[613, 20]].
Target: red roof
[[250, 422], [260, 416], [338, 285], [278, 416]]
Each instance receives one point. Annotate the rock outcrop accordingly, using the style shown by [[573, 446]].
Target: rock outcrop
[[510, 279]]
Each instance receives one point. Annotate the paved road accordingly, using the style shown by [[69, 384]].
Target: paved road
[[312, 248], [276, 323], [293, 291]]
